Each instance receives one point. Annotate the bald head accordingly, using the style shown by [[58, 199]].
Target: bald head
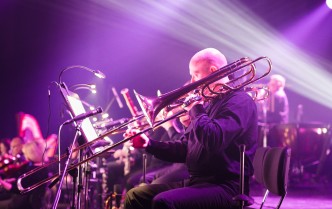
[[204, 62], [209, 56]]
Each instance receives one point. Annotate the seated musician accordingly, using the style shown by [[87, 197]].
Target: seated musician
[[216, 128], [13, 158], [16, 145], [4, 147], [33, 153]]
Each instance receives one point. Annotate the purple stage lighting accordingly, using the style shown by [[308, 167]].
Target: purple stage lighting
[[329, 4]]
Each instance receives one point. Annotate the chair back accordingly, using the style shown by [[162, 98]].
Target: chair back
[[258, 164], [276, 168]]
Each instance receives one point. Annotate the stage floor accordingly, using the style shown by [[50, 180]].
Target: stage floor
[[302, 195]]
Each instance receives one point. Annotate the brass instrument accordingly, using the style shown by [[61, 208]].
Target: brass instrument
[[132, 108], [134, 112], [258, 92], [151, 108]]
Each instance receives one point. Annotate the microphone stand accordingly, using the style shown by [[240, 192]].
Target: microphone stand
[[266, 128], [83, 173], [80, 182], [74, 174], [63, 174]]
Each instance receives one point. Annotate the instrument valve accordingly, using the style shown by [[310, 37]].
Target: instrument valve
[[191, 99]]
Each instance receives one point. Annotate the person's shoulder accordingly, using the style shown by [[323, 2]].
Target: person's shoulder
[[240, 94], [234, 97]]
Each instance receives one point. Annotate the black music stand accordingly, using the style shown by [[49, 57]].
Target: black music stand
[[85, 129]]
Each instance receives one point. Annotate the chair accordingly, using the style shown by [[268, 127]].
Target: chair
[[275, 171], [258, 164], [271, 167]]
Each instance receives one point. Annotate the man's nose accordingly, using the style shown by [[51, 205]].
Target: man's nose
[[192, 80]]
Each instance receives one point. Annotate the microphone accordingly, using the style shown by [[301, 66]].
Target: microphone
[[117, 98], [84, 115]]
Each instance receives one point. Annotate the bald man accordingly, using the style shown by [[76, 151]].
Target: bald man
[[209, 148]]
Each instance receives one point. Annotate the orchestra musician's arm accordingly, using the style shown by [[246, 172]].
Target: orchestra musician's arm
[[6, 184]]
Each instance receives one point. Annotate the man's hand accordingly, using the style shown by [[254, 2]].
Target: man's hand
[[188, 108], [140, 141]]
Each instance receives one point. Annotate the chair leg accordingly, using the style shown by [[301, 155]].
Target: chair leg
[[264, 198], [281, 200], [242, 156]]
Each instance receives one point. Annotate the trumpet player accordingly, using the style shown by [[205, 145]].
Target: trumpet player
[[210, 148]]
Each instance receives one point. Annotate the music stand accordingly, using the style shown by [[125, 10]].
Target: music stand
[[83, 128], [76, 107]]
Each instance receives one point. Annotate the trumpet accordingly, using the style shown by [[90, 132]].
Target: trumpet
[[242, 71]]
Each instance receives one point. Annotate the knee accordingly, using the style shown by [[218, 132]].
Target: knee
[[135, 199], [128, 202], [130, 194], [161, 202], [134, 194]]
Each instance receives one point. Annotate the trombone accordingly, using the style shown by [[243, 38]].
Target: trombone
[[152, 106]]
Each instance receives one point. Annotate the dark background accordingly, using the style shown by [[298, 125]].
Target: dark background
[[40, 38]]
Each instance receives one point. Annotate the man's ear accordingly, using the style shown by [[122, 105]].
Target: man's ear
[[213, 68]]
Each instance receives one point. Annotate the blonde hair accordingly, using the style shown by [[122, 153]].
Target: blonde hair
[[34, 150]]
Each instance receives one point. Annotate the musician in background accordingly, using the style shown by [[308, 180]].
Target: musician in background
[[175, 171], [118, 173], [33, 153], [165, 132], [16, 145], [272, 111], [5, 160], [14, 157], [210, 147], [275, 110], [4, 147], [120, 166]]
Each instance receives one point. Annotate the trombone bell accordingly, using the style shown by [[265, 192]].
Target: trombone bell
[[147, 105]]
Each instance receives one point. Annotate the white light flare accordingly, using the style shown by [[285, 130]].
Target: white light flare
[[235, 30]]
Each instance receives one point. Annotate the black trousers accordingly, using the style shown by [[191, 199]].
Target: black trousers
[[177, 195], [172, 173]]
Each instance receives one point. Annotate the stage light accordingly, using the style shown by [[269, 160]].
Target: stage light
[[90, 87], [97, 73], [235, 30], [329, 4], [105, 115]]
